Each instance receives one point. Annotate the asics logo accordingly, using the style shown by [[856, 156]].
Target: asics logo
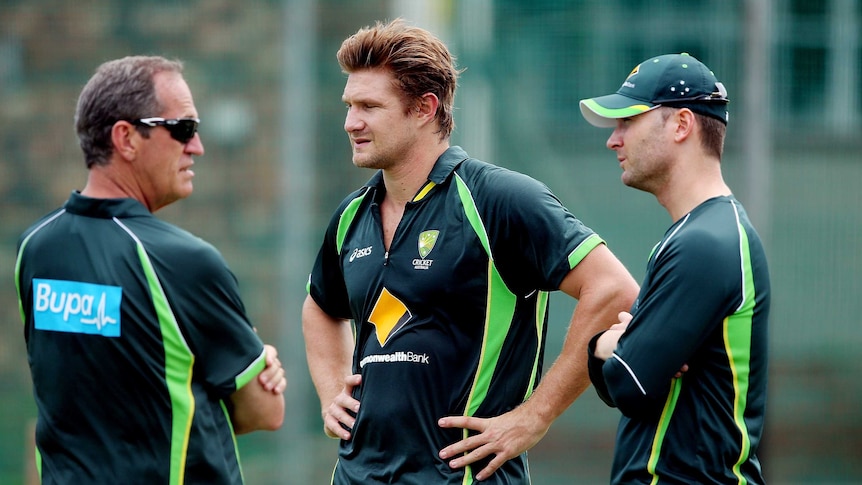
[[360, 253]]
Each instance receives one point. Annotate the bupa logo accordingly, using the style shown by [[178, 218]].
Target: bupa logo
[[76, 307]]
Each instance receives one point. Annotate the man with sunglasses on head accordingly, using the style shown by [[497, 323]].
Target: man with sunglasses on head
[[143, 360]]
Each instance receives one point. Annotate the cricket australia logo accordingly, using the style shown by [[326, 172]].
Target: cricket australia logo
[[629, 84], [427, 240]]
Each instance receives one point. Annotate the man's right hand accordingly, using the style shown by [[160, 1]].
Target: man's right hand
[[341, 412]]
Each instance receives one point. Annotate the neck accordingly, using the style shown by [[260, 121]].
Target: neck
[[104, 183], [688, 189], [405, 179]]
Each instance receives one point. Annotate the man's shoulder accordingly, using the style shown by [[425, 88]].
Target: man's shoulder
[[494, 179], [164, 238], [41, 222]]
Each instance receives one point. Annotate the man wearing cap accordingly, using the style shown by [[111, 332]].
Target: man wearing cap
[[704, 302]]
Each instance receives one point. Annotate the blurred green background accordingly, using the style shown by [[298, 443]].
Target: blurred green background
[[268, 88]]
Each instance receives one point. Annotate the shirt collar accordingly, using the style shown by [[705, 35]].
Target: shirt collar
[[443, 167], [104, 208]]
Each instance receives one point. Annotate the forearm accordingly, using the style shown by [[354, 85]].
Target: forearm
[[254, 408], [328, 347]]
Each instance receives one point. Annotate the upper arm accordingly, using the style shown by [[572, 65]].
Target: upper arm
[[600, 273]]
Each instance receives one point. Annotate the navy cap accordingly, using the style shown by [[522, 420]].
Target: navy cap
[[674, 80]]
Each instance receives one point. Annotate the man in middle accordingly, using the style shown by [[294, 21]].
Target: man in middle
[[444, 265]]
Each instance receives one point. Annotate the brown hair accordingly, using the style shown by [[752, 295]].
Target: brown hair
[[122, 89], [420, 62], [712, 134], [712, 131]]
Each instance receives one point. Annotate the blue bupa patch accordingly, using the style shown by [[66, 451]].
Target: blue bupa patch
[[76, 307]]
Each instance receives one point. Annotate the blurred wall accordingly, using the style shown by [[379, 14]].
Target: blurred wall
[[528, 64]]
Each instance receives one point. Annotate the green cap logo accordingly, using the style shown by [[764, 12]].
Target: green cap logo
[[427, 239]]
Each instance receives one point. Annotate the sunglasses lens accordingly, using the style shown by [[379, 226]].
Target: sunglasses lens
[[183, 130]]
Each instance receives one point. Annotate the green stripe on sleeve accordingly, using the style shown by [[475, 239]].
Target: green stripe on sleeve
[[251, 371], [583, 249], [346, 219]]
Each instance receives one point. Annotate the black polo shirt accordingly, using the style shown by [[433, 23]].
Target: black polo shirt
[[451, 320], [704, 302], [136, 336]]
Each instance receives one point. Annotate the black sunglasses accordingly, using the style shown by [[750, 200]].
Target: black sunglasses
[[181, 129]]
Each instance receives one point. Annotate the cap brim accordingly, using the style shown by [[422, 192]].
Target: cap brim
[[604, 111]]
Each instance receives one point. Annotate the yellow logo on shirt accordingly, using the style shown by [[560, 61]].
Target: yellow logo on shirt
[[388, 316]]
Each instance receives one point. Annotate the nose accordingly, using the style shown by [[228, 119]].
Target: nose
[[615, 140], [195, 146], [352, 121]]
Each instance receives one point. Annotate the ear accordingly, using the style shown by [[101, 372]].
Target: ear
[[685, 124], [125, 138], [426, 106]]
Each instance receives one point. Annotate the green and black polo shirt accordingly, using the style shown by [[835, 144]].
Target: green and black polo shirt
[[451, 320], [136, 337], [704, 302]]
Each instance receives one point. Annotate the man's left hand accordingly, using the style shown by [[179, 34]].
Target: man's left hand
[[505, 436]]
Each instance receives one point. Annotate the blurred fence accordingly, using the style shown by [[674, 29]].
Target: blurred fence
[[268, 89]]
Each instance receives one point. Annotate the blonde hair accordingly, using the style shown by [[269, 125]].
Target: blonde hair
[[418, 60]]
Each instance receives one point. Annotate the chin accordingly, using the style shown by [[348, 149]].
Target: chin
[[185, 191], [364, 162]]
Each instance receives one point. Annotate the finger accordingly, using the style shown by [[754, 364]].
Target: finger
[[281, 387], [477, 451], [344, 401], [337, 419], [332, 427], [466, 422], [625, 317], [353, 380], [472, 445], [278, 381], [270, 376], [265, 379], [271, 353], [489, 470]]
